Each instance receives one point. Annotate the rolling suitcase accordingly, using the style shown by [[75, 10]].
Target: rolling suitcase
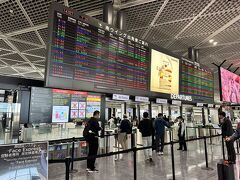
[[225, 171]]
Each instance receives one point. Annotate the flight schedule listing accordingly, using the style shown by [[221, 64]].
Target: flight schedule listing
[[196, 81], [98, 54]]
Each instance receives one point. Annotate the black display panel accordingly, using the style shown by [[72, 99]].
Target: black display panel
[[61, 106], [87, 54], [196, 81]]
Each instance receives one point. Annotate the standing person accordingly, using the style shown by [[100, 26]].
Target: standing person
[[227, 131], [113, 122], [125, 128], [181, 134], [145, 127], [159, 126], [91, 133]]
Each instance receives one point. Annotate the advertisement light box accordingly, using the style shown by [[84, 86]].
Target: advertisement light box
[[164, 73]]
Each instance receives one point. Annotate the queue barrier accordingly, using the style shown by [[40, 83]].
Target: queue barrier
[[70, 160]]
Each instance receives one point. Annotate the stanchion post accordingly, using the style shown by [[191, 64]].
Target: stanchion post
[[173, 163], [135, 162], [223, 148], [206, 154], [72, 156], [73, 147], [67, 164], [132, 140]]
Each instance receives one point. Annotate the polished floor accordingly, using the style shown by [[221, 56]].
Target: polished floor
[[188, 165]]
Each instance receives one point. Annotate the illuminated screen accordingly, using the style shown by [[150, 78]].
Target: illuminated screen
[[69, 105], [164, 73], [84, 50], [196, 81], [230, 84]]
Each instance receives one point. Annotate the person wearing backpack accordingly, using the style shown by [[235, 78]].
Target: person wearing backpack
[[91, 133], [125, 128]]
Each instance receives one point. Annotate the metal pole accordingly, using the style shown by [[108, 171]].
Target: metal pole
[[135, 162], [206, 154], [73, 144], [173, 164], [67, 164]]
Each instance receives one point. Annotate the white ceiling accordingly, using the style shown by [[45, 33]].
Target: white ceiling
[[173, 24]]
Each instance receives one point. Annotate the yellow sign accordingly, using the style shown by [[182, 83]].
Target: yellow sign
[[164, 73]]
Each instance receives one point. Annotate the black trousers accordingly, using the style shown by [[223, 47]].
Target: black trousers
[[92, 151], [231, 151], [159, 139], [182, 142]]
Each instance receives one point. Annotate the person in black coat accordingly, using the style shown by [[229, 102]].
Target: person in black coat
[[146, 128], [92, 140], [227, 131]]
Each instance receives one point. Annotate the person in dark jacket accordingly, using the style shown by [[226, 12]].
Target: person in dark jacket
[[145, 127], [125, 128], [227, 131], [181, 134], [92, 140], [159, 126]]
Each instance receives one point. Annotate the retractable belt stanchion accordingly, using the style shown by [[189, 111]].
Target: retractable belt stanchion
[[67, 164], [72, 156], [206, 154], [173, 163], [135, 162]]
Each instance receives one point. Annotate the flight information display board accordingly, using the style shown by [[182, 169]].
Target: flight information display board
[[85, 50], [196, 81]]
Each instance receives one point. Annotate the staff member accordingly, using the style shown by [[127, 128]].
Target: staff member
[[227, 131], [91, 135]]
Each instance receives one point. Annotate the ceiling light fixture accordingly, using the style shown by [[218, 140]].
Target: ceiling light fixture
[[211, 40], [215, 43]]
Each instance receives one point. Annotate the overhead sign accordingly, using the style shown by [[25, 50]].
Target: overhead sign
[[178, 103], [24, 161], [181, 97], [199, 104], [120, 97], [210, 105], [141, 99], [161, 101]]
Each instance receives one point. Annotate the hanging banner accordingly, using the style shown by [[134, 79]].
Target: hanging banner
[[161, 101], [141, 99], [120, 97]]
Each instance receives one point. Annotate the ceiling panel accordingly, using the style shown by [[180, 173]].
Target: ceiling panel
[[29, 37], [4, 52], [37, 10], [142, 15], [13, 57], [11, 17], [33, 58], [223, 5], [4, 45], [179, 9], [33, 75], [86, 5], [44, 34], [209, 23], [7, 71], [138, 33], [166, 31], [11, 62], [22, 46], [39, 52]]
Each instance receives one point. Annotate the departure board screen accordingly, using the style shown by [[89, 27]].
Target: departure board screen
[[83, 49], [196, 81]]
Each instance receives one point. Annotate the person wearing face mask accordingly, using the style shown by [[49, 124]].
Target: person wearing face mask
[[227, 131]]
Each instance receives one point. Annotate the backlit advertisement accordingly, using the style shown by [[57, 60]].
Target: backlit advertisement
[[230, 84], [164, 73]]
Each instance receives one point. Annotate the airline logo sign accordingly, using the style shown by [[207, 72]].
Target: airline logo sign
[[181, 97], [141, 99], [120, 97], [161, 101]]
